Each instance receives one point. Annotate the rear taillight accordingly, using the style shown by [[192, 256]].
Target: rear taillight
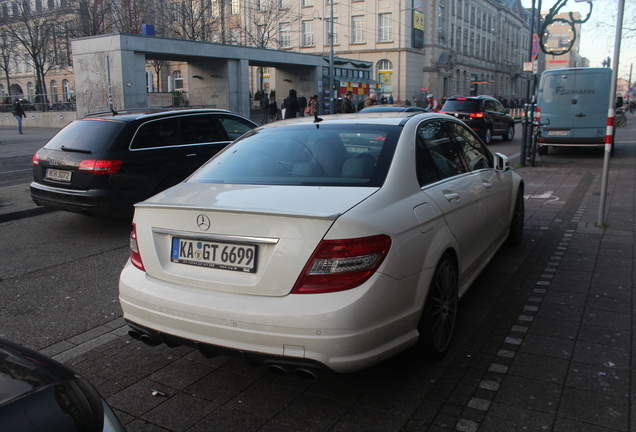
[[476, 115], [537, 114], [135, 256], [36, 159], [99, 166], [338, 265]]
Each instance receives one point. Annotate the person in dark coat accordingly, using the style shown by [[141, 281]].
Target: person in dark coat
[[273, 109], [18, 112], [291, 105], [302, 103]]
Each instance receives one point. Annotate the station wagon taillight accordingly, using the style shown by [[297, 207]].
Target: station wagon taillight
[[476, 115], [338, 265], [100, 166]]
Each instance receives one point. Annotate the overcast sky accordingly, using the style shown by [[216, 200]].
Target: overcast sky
[[598, 34]]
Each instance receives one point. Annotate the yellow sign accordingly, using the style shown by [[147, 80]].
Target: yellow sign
[[418, 20]]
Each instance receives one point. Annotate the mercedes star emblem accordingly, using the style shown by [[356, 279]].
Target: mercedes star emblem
[[203, 222]]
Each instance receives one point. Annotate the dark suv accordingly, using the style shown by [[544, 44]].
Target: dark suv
[[483, 114], [103, 164]]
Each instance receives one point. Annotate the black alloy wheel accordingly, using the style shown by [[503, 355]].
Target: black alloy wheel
[[437, 323], [508, 136], [488, 135]]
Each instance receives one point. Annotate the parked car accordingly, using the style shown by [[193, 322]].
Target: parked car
[[391, 108], [483, 114], [38, 394], [333, 244], [103, 164]]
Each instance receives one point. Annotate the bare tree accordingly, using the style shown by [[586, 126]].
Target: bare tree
[[33, 30], [6, 54]]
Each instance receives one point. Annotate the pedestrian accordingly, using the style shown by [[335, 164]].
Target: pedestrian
[[433, 104], [339, 106], [391, 101], [314, 105], [347, 103], [273, 108], [372, 99], [265, 108], [291, 105], [302, 103], [407, 102], [384, 100], [18, 113]]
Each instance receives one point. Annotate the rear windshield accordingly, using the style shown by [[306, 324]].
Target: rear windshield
[[86, 135], [334, 155], [469, 105]]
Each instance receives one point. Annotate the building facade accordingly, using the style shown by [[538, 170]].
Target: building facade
[[414, 47]]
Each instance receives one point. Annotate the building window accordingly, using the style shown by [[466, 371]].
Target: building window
[[458, 39], [54, 91], [308, 3], [174, 12], [215, 8], [384, 25], [1, 92], [471, 50], [357, 29], [284, 35], [385, 71], [307, 30], [283, 4], [178, 80], [459, 8], [66, 88], [465, 45], [235, 7], [336, 39], [30, 92]]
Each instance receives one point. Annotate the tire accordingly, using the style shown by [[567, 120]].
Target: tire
[[488, 136], [518, 219], [510, 134], [439, 316], [620, 121]]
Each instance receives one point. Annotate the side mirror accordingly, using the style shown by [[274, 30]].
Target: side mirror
[[501, 162]]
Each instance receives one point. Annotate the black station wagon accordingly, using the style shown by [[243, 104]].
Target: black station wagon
[[103, 164]]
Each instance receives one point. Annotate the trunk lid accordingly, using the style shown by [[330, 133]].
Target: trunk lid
[[267, 233]]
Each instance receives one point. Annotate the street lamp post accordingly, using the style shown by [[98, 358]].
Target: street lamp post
[[331, 93]]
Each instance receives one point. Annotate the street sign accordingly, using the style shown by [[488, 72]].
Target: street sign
[[535, 46], [527, 66]]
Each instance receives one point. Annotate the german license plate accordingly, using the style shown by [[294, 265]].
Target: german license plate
[[58, 175], [224, 256], [557, 133]]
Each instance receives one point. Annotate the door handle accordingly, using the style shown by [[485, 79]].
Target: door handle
[[451, 196], [488, 185], [581, 115]]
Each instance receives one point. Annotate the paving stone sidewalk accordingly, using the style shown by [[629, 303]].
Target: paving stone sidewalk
[[547, 345]]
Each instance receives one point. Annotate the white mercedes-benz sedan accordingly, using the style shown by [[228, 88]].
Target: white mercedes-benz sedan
[[322, 244]]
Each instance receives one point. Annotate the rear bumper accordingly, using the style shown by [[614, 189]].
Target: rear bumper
[[89, 202], [343, 331]]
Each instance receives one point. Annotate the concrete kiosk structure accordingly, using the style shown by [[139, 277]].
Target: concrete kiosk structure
[[217, 73]]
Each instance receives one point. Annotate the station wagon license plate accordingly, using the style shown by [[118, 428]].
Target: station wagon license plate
[[58, 175], [224, 256], [557, 133]]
